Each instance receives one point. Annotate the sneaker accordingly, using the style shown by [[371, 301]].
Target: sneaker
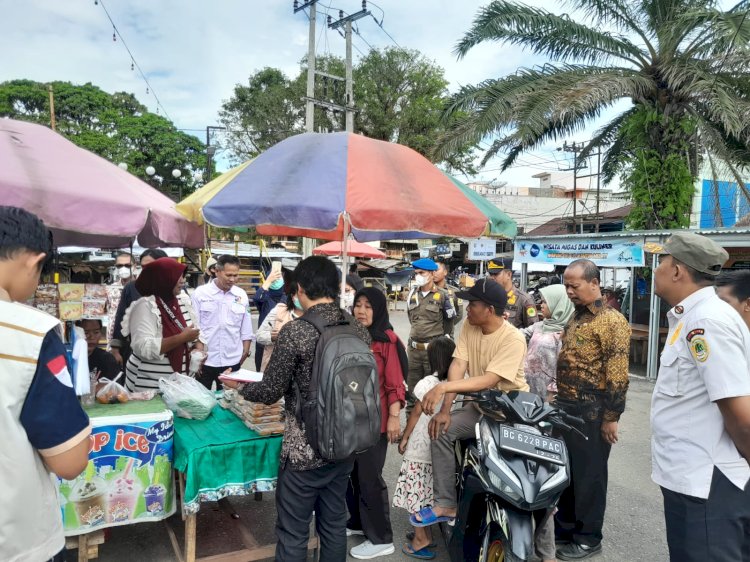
[[354, 532], [575, 551], [367, 550]]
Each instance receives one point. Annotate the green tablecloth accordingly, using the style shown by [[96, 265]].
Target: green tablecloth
[[221, 457]]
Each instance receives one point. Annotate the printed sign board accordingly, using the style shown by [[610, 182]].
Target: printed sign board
[[603, 252]]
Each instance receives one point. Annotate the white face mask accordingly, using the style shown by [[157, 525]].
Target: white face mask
[[421, 280], [348, 300], [124, 272]]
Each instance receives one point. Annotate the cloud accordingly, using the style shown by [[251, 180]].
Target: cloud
[[193, 53]]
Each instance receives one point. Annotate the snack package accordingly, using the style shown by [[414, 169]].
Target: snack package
[[186, 397], [71, 291], [111, 392]]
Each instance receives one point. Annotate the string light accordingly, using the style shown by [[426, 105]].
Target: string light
[[133, 63]]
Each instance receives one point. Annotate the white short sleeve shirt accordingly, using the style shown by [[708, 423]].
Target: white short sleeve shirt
[[706, 358]]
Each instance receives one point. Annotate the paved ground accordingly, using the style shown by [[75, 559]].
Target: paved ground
[[634, 527]]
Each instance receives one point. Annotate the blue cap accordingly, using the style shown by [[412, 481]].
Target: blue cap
[[425, 264]]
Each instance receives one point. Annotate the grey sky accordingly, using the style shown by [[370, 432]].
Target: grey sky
[[194, 51]]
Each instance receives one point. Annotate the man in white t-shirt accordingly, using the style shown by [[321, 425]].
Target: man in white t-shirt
[[700, 409]]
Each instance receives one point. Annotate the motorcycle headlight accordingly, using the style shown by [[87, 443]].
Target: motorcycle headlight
[[559, 477], [503, 487], [496, 463]]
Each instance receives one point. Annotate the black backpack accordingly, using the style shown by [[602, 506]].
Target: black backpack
[[341, 415]]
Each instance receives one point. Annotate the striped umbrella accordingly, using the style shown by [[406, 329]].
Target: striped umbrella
[[329, 185]]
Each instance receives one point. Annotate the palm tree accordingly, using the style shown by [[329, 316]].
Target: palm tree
[[683, 63]]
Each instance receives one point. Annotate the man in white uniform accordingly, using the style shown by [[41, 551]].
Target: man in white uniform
[[700, 410]]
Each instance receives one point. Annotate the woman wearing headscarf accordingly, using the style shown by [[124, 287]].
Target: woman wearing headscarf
[[540, 366], [161, 325], [367, 497], [545, 340]]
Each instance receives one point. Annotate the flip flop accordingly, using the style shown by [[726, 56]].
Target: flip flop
[[421, 554], [428, 518], [410, 537]]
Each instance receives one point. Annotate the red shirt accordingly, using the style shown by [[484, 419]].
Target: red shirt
[[392, 388]]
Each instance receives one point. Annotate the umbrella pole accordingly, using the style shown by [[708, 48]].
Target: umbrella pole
[[344, 259]]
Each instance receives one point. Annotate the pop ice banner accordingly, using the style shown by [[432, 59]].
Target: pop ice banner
[[603, 252], [128, 478]]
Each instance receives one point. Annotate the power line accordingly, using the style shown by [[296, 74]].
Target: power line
[[134, 63], [380, 24]]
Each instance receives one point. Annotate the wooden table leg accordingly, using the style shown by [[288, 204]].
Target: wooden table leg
[[190, 538], [83, 548]]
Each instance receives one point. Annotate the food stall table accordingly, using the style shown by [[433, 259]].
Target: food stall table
[[129, 478], [220, 457]]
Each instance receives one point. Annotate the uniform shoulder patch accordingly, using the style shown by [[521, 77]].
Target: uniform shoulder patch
[[699, 349], [693, 333], [531, 311]]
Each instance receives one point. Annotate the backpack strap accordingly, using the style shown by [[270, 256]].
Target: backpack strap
[[320, 324]]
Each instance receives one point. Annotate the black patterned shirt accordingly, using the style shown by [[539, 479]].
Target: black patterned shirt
[[292, 360]]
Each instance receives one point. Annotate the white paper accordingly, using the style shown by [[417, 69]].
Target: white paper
[[243, 375]]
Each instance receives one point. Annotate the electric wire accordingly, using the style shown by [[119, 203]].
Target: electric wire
[[149, 87]]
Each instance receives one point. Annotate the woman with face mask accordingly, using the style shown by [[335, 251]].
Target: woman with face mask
[[266, 298], [281, 314], [353, 284]]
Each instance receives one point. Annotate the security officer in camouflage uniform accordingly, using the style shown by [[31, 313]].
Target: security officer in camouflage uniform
[[521, 309], [440, 280], [430, 311]]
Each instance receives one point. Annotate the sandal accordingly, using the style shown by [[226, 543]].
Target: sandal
[[421, 554], [428, 517]]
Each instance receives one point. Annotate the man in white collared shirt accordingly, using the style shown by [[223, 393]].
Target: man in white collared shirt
[[700, 410], [222, 311]]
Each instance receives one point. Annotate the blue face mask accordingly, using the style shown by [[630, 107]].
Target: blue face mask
[[297, 304], [278, 284]]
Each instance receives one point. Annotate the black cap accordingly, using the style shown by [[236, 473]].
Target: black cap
[[499, 264], [487, 291]]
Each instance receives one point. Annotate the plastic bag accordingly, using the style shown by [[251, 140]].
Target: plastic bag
[[186, 397], [112, 392]]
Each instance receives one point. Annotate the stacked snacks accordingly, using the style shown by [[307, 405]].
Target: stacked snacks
[[261, 418]]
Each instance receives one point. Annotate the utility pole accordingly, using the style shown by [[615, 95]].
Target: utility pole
[[575, 148], [347, 23], [598, 182], [51, 107], [309, 104], [210, 149]]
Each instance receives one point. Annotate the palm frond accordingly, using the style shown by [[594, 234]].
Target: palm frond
[[617, 13], [607, 134], [545, 33], [539, 103], [715, 32]]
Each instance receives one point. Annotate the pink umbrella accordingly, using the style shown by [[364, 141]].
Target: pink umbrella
[[353, 248], [84, 199]]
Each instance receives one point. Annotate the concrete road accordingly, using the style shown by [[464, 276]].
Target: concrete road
[[634, 526]]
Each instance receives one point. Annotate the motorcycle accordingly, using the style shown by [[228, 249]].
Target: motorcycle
[[510, 477]]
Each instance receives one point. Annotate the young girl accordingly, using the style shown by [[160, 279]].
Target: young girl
[[414, 487]]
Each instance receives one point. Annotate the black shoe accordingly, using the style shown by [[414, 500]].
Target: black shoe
[[575, 551]]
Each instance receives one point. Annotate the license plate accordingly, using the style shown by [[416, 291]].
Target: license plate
[[531, 445]]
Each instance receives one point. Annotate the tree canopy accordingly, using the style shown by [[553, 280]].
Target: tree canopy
[[114, 126], [683, 64], [399, 96]]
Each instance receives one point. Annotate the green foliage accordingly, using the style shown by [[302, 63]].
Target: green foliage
[[399, 96], [114, 126], [656, 166], [684, 64], [265, 111]]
